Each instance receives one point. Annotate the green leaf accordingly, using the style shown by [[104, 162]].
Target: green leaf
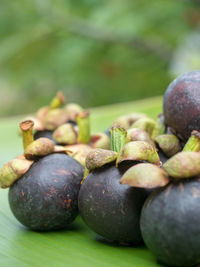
[[77, 246]]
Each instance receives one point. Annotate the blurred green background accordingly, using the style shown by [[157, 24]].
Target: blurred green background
[[97, 52]]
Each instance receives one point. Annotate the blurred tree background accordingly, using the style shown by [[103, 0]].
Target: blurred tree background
[[97, 52]]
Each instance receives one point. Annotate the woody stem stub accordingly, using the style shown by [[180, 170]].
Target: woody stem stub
[[27, 132]]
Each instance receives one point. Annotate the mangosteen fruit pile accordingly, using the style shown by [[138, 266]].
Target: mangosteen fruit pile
[[141, 181], [68, 126], [43, 183], [78, 139], [49, 118]]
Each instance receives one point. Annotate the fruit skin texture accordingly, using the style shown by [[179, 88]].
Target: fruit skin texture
[[162, 156], [48, 133], [46, 197], [44, 133], [182, 104], [170, 223], [110, 209]]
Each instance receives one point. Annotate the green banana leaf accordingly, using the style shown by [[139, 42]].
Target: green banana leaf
[[76, 246]]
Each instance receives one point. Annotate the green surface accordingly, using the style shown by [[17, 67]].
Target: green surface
[[77, 246]]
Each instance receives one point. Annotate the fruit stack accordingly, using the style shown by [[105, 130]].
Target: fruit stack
[[137, 182]]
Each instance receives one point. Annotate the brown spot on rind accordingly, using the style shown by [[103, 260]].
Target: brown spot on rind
[[61, 172], [168, 190], [195, 192], [181, 187], [53, 190], [68, 203]]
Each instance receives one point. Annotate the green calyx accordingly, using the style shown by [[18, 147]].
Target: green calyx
[[65, 134], [139, 151], [160, 126], [147, 125], [169, 144], [57, 101], [193, 143], [118, 138], [86, 173], [54, 118], [72, 110], [39, 148], [136, 134], [99, 157], [126, 121], [145, 175], [79, 152], [183, 165], [100, 140], [13, 170], [83, 122]]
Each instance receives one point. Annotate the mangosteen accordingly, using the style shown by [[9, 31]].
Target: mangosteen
[[109, 208], [78, 139], [170, 219], [44, 184], [126, 121], [50, 117], [181, 105], [45, 197]]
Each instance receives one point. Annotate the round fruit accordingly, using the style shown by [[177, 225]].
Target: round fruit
[[182, 104], [170, 223], [110, 209], [46, 197]]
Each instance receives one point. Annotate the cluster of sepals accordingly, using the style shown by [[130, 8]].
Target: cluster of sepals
[[16, 168], [136, 138], [52, 116], [70, 126], [72, 139]]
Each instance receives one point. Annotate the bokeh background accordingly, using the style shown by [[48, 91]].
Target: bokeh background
[[97, 52]]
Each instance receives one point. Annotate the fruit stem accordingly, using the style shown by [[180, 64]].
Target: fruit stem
[[83, 122], [193, 143], [118, 138], [57, 101], [27, 132]]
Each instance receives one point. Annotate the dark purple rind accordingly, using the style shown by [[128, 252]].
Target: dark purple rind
[[44, 133], [45, 198], [162, 156], [182, 104], [170, 223], [110, 209]]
